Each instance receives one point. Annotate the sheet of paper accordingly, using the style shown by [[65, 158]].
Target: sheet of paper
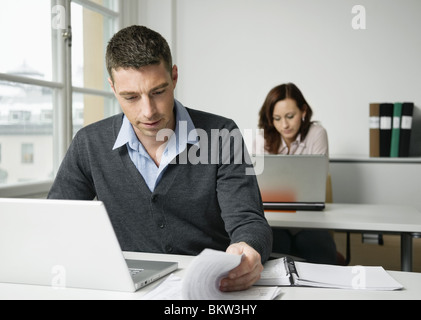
[[202, 279], [355, 277], [274, 273], [205, 273], [169, 289]]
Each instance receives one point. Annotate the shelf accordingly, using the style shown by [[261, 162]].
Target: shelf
[[366, 159]]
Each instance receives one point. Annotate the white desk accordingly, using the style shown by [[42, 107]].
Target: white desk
[[404, 220], [410, 281]]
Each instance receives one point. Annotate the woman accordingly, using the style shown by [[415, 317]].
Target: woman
[[285, 118]]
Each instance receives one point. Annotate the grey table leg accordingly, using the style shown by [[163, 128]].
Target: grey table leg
[[406, 252]]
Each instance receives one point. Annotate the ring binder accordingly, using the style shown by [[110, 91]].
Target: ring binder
[[287, 272], [291, 270]]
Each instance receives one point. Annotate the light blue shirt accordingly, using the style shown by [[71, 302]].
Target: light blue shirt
[[177, 143]]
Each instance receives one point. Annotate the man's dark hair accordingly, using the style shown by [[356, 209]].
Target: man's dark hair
[[135, 47]]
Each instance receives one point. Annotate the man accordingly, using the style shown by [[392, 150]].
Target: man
[[166, 187]]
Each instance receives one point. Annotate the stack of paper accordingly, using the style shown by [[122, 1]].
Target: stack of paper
[[202, 280]]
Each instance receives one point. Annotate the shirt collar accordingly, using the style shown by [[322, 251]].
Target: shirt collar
[[126, 135], [284, 148], [184, 125]]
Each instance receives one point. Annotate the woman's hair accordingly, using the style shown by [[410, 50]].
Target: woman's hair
[[135, 47], [282, 92]]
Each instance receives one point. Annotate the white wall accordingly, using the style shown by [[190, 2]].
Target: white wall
[[159, 15], [230, 53]]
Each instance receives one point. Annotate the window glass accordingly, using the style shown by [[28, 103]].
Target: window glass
[[88, 109], [91, 33], [25, 33], [110, 4], [26, 133]]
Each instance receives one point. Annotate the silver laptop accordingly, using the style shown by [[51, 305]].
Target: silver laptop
[[292, 182], [72, 244]]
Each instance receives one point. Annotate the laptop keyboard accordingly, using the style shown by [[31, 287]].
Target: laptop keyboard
[[134, 271]]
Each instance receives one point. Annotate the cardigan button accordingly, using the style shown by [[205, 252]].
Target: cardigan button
[[154, 198]]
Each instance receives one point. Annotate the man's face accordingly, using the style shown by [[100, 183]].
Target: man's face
[[146, 96]]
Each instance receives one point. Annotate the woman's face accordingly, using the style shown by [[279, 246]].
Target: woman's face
[[287, 119]]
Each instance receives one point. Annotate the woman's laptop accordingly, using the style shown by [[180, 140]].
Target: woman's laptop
[[62, 243], [292, 182]]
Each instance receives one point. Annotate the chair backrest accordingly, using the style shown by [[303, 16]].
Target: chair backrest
[[329, 192]]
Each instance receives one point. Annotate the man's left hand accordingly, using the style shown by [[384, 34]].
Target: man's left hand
[[247, 273]]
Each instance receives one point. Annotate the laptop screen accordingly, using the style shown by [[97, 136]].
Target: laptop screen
[[293, 179]]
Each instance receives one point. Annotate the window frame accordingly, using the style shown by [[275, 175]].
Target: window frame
[[63, 89]]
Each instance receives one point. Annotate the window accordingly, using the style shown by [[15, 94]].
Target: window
[[3, 173], [19, 116], [27, 153], [53, 81]]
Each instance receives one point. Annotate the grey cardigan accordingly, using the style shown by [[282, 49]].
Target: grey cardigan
[[195, 206]]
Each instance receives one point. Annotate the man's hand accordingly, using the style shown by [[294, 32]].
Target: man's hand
[[247, 273]]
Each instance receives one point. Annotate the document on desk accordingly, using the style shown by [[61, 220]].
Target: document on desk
[[287, 272], [202, 279]]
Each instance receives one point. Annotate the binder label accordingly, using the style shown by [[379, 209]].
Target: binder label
[[396, 122], [406, 122], [374, 123], [385, 123]]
